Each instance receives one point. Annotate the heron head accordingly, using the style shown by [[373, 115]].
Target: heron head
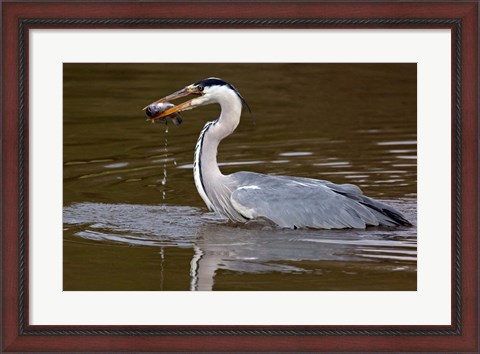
[[206, 91]]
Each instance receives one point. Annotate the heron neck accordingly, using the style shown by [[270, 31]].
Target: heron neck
[[220, 129], [209, 180]]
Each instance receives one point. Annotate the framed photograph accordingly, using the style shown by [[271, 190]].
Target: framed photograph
[[345, 215]]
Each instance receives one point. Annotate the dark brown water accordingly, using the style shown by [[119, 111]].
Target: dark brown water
[[126, 230]]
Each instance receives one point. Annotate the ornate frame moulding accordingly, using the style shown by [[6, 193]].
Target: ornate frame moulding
[[20, 17]]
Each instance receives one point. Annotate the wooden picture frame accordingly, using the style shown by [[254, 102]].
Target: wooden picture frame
[[21, 16]]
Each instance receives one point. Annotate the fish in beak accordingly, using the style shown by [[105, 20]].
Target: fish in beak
[[156, 109]]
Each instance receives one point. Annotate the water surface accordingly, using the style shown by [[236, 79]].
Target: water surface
[[133, 219]]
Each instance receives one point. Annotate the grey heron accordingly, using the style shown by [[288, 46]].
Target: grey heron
[[292, 202]]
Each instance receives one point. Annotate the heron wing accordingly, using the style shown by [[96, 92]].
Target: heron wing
[[303, 202]]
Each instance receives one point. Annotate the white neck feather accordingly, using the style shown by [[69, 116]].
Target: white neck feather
[[208, 177]]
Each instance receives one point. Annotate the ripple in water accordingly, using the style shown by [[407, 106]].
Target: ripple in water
[[296, 153], [251, 247]]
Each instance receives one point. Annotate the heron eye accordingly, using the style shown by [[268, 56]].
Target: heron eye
[[200, 88]]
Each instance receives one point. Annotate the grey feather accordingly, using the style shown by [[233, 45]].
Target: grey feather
[[303, 202]]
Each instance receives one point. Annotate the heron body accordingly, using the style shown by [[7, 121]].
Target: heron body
[[293, 202]]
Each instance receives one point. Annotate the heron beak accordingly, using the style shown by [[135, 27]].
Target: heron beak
[[189, 90]]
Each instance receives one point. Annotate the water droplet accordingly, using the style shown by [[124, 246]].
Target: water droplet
[[164, 180], [162, 257]]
